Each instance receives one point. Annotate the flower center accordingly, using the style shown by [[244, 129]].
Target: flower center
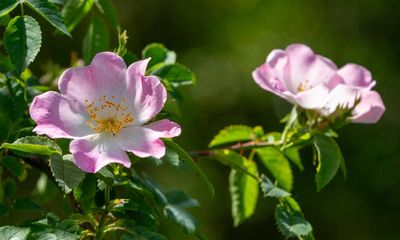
[[108, 115], [303, 86]]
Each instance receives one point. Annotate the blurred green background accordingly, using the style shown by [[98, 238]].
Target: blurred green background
[[222, 41]]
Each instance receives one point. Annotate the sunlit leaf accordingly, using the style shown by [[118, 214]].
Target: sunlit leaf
[[232, 134], [67, 174], [291, 224], [158, 54], [276, 162], [6, 6], [22, 40], [50, 13], [34, 145], [176, 74], [271, 190], [329, 159], [13, 233], [74, 11], [244, 192]]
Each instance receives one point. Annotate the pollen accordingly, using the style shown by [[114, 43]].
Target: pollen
[[108, 115]]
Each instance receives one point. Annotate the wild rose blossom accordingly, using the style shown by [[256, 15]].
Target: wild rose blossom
[[314, 82], [104, 108]]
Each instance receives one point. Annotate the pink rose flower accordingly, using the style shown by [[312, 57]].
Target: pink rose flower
[[104, 108], [314, 82]]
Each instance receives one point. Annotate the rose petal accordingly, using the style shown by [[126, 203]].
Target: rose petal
[[145, 141], [105, 76], [313, 98], [356, 75], [58, 116], [146, 95], [96, 151], [343, 96], [370, 108]]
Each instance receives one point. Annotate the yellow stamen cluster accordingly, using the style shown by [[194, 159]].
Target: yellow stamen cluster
[[107, 115]]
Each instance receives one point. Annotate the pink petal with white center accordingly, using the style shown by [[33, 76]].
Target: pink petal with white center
[[300, 59], [58, 116], [105, 76], [356, 75], [370, 108], [146, 95], [145, 141], [313, 98], [96, 151]]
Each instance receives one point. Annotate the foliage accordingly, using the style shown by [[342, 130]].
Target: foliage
[[120, 203]]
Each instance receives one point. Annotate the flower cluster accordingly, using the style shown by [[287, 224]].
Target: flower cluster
[[104, 108], [314, 82]]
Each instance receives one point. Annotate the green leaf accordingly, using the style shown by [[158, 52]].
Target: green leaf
[[276, 162], [232, 134], [291, 224], [86, 191], [13, 233], [158, 54], [180, 199], [6, 6], [329, 158], [271, 190], [50, 13], [294, 155], [68, 176], [14, 166], [74, 11], [96, 38], [244, 192], [191, 163], [176, 74], [22, 40], [182, 217], [107, 9], [106, 175], [229, 158], [34, 145]]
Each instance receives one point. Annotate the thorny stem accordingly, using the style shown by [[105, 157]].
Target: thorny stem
[[238, 146]]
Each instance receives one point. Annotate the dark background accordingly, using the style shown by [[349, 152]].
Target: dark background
[[222, 41]]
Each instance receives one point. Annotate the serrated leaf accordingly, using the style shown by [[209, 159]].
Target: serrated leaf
[[13, 233], [49, 12], [328, 157], [244, 192], [74, 11], [291, 224], [6, 6], [68, 176], [34, 145], [14, 166], [182, 217], [271, 190], [176, 74], [190, 163], [22, 41], [107, 9], [86, 191], [232, 134], [158, 54], [96, 38], [229, 158], [276, 162]]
